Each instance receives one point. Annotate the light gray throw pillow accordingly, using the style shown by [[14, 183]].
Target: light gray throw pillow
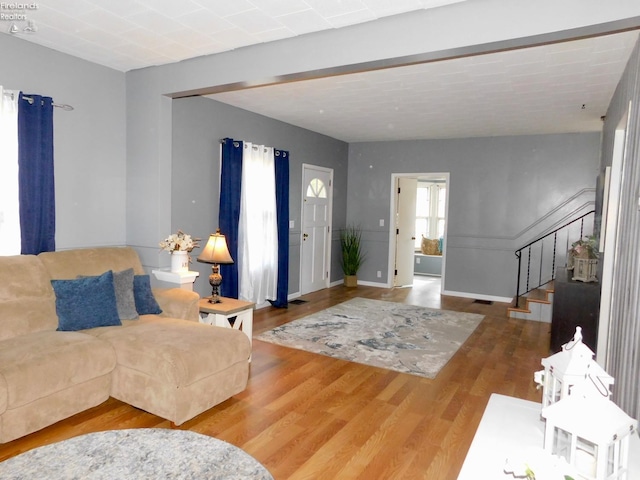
[[125, 300]]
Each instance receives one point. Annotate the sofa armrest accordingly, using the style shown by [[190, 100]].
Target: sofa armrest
[[178, 303]]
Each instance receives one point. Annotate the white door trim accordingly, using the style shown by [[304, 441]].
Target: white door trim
[[610, 237], [392, 214]]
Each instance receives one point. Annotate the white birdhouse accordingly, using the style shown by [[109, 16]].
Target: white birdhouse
[[592, 434], [570, 369]]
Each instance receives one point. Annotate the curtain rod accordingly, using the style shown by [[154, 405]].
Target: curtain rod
[[236, 144], [63, 106]]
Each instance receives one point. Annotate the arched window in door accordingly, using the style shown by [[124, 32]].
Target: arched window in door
[[316, 189]]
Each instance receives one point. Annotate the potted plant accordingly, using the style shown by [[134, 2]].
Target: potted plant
[[352, 255]]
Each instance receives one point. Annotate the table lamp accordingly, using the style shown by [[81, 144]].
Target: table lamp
[[215, 252]]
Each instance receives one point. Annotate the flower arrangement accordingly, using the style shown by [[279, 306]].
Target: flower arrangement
[[179, 242]]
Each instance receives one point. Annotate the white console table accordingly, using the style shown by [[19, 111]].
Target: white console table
[[511, 427]]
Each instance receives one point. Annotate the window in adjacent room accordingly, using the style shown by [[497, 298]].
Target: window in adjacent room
[[430, 210]]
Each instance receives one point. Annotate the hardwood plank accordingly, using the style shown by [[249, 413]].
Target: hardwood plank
[[306, 416]]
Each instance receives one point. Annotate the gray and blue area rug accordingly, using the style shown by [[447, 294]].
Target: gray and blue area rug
[[135, 454], [394, 336]]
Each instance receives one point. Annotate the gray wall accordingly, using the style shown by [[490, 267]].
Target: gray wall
[[463, 28], [99, 184], [198, 125], [499, 189], [89, 142]]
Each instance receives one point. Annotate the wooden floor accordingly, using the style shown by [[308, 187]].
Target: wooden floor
[[306, 416]]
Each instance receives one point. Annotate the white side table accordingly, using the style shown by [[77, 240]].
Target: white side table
[[219, 314]]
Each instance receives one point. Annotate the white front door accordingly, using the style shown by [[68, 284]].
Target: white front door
[[405, 230], [316, 228]]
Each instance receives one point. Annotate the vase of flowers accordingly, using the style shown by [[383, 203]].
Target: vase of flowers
[[179, 245]]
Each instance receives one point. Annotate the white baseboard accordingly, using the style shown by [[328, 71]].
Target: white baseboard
[[478, 296], [475, 296], [373, 284]]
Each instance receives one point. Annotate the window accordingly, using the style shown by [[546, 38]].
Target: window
[[316, 189], [430, 210]]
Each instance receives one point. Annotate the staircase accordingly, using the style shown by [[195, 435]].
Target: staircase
[[537, 262], [536, 305]]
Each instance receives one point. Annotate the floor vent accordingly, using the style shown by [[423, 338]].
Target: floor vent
[[484, 302], [298, 302]]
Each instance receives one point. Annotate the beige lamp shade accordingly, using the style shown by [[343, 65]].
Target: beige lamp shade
[[216, 250]]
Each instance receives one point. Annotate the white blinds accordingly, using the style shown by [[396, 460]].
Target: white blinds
[[9, 203]]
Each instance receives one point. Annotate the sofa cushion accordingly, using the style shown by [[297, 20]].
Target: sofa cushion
[[177, 352], [146, 303], [44, 363], [86, 302], [27, 301], [68, 264], [4, 394]]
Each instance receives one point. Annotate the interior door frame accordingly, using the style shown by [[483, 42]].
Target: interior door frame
[[329, 171], [609, 236], [392, 214]]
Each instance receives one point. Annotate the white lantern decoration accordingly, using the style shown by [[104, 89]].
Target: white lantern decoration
[[585, 269], [570, 369], [592, 434]]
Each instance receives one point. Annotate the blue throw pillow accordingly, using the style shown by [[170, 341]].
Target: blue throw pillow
[[146, 303], [86, 303]]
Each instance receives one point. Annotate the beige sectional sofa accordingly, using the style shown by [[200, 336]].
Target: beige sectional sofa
[[168, 364]]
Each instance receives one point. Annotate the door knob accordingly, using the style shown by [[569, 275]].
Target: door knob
[[304, 236]]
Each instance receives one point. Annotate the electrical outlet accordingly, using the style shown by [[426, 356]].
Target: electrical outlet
[[418, 260], [382, 222], [379, 274]]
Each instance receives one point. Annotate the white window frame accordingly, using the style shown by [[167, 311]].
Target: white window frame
[[433, 219]]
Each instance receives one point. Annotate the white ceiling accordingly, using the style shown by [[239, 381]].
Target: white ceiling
[[130, 34], [557, 88]]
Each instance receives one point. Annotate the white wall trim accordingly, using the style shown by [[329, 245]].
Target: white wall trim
[[478, 296]]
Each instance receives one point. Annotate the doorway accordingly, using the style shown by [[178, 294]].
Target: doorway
[[315, 245], [404, 239]]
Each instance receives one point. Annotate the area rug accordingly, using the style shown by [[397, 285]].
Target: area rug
[[394, 336], [135, 454]]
